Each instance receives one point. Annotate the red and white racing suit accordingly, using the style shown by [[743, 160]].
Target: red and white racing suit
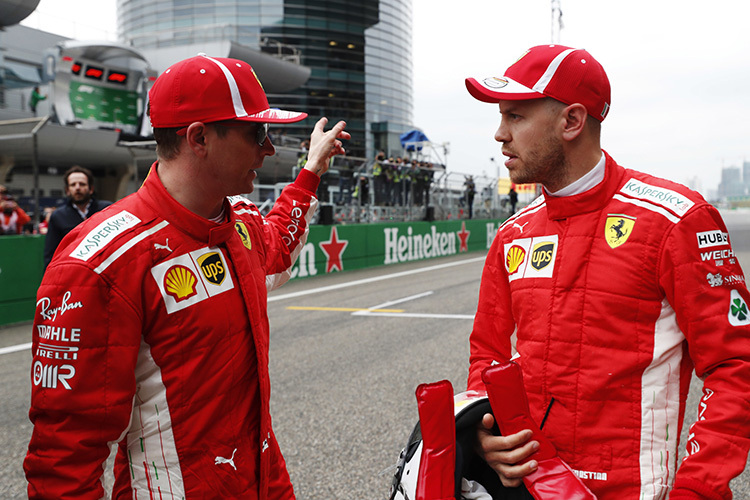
[[151, 332], [616, 294]]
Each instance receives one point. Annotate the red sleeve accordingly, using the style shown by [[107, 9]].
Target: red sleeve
[[705, 285], [279, 484], [86, 338], [286, 227], [493, 323], [23, 219]]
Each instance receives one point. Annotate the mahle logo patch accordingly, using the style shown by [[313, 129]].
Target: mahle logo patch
[[212, 267], [618, 229]]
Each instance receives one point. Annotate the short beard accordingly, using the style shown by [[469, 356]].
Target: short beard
[[546, 166]]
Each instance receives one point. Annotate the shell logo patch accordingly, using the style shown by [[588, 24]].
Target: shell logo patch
[[539, 252], [241, 229], [618, 229], [514, 259], [191, 278], [179, 282]]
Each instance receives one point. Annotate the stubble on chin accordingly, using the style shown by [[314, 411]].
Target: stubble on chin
[[545, 165]]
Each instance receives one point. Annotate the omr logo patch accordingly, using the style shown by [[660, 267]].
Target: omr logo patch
[[191, 278], [531, 257]]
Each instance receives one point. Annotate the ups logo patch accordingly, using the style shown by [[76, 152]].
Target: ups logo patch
[[212, 267]]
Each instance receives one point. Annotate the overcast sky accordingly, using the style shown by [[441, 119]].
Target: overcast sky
[[679, 69]]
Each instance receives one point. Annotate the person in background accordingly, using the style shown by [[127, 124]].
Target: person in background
[[154, 309], [470, 190], [513, 197], [80, 205], [13, 218], [36, 96], [614, 285]]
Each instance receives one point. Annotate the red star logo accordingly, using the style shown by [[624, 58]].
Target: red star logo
[[333, 249], [463, 235]]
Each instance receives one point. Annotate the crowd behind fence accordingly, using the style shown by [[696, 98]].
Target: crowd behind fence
[[354, 191]]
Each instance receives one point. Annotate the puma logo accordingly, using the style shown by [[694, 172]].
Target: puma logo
[[520, 226], [162, 247], [230, 461]]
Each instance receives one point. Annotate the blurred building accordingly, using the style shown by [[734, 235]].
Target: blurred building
[[355, 60], [731, 182]]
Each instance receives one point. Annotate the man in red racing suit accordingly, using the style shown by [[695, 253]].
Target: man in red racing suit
[[616, 290], [151, 331]]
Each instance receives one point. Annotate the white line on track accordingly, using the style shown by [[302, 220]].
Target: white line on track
[[373, 280], [15, 348], [386, 305], [419, 315]]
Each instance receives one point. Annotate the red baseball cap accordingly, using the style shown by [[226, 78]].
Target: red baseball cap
[[563, 73], [210, 89]]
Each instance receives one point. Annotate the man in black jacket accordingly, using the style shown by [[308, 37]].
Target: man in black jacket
[[79, 187]]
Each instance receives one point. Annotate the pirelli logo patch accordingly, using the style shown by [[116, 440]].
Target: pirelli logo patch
[[666, 198], [531, 257], [191, 278]]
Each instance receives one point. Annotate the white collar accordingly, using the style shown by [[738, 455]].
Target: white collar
[[588, 181]]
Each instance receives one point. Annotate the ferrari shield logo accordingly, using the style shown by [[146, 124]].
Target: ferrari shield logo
[[617, 229], [241, 229]]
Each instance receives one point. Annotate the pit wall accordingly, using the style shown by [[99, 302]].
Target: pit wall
[[329, 249]]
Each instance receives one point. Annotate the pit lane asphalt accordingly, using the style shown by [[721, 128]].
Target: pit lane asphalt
[[343, 381]]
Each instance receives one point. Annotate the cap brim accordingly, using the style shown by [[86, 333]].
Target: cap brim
[[275, 115], [495, 89]]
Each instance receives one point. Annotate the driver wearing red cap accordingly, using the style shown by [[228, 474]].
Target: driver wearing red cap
[[151, 330], [614, 285]]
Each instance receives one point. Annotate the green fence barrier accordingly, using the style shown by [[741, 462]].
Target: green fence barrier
[[344, 248], [328, 249], [21, 263]]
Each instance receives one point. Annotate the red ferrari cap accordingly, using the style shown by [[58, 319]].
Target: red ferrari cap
[[563, 73], [210, 89]]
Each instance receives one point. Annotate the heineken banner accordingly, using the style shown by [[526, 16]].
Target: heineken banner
[[346, 247]]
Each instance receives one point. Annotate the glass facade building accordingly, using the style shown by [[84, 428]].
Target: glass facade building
[[359, 54]]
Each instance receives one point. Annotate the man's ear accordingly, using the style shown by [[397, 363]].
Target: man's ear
[[575, 117], [196, 138]]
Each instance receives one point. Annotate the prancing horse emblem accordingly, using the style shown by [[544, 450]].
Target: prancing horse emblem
[[618, 229]]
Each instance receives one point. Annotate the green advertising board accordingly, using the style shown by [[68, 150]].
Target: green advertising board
[[20, 275], [347, 247], [328, 249], [102, 104]]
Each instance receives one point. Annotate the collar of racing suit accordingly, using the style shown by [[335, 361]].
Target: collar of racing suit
[[592, 200], [200, 229]]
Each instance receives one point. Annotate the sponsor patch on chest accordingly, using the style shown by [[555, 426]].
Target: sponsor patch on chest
[[192, 277], [667, 198], [103, 234], [531, 257]]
